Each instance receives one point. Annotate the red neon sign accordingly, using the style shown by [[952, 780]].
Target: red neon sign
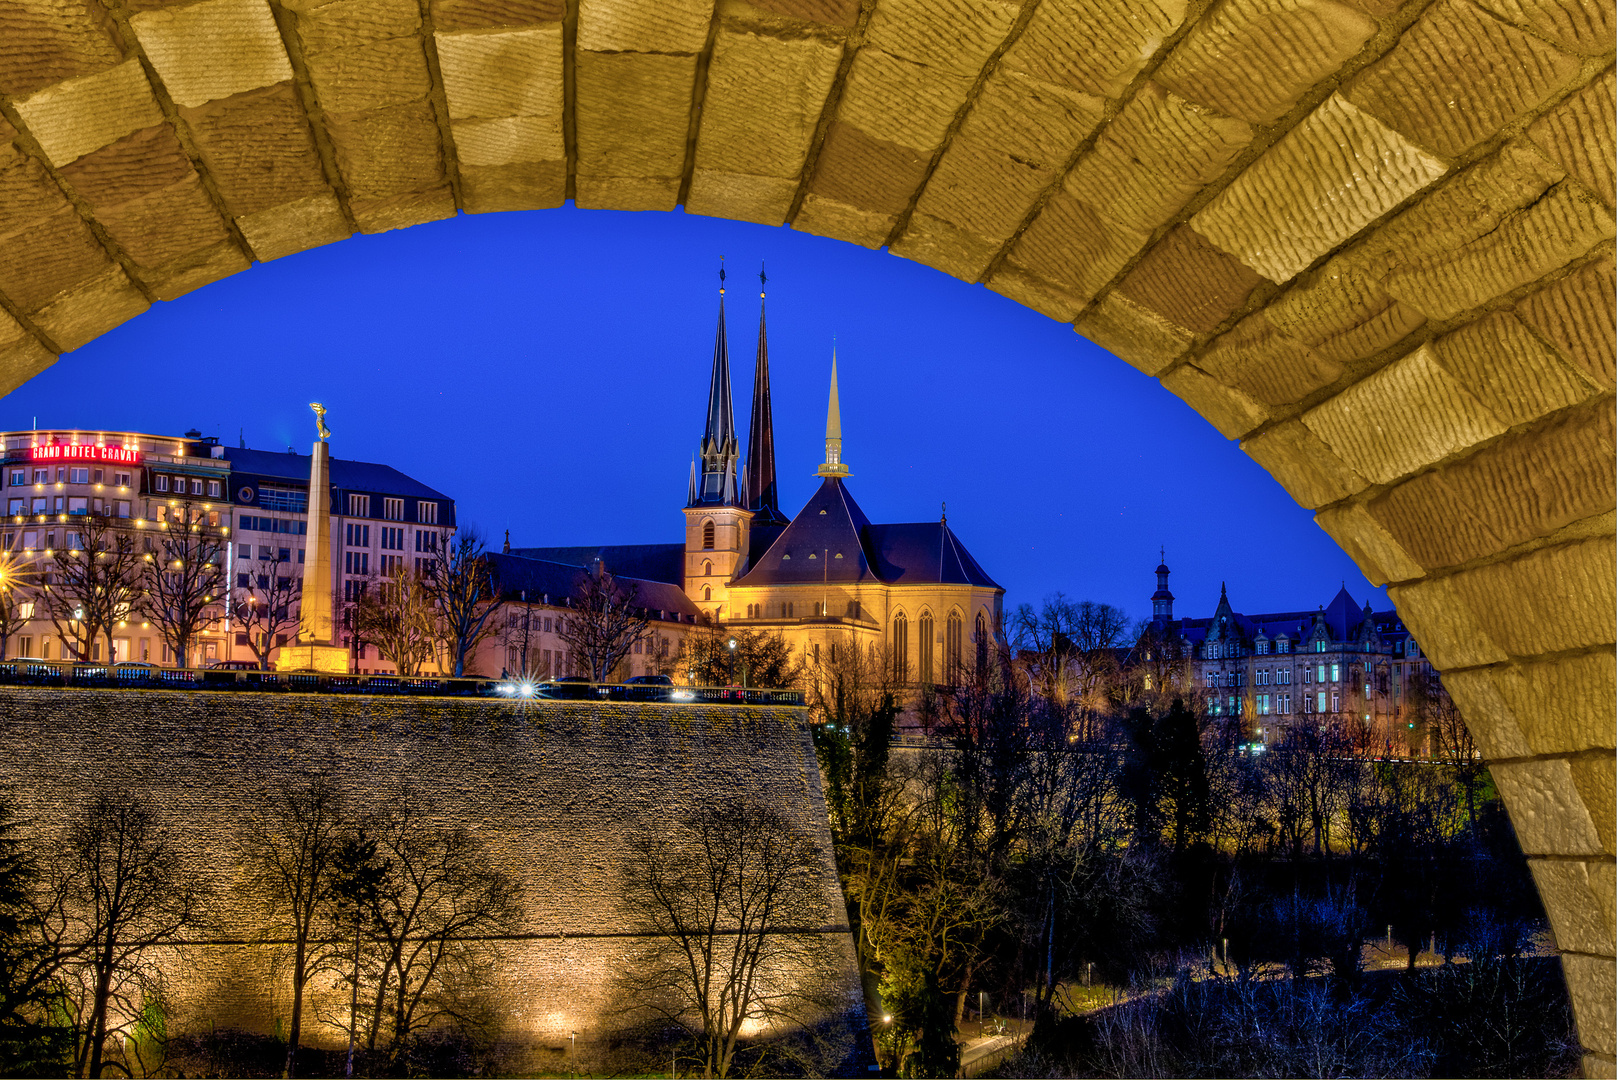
[[114, 455]]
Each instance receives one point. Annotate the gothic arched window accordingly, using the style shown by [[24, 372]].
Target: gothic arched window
[[707, 535], [707, 568], [982, 645], [925, 639], [901, 648], [951, 648], [707, 593]]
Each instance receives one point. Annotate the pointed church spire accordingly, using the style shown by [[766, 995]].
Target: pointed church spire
[[719, 449], [834, 465], [760, 491]]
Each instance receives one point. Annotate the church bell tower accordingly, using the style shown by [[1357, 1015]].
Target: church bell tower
[[717, 521]]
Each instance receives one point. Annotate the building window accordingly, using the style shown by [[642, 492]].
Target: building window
[[1319, 705], [1284, 704], [357, 535], [1319, 646], [42, 476], [1283, 646], [1336, 702], [215, 489], [981, 638], [19, 477], [1263, 648], [78, 476], [951, 647], [707, 568], [121, 479], [426, 513], [707, 593], [901, 648], [1336, 673], [196, 487], [160, 483], [359, 506], [707, 535], [393, 509]]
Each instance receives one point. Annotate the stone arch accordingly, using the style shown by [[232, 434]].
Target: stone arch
[[1334, 229]]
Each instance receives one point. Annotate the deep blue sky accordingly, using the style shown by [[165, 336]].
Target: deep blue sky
[[549, 371]]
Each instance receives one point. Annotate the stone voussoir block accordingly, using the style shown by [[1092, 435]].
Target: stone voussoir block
[[1304, 465], [1554, 599], [1549, 815], [213, 49], [78, 116]]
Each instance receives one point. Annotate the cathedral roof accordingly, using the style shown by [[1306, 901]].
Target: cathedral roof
[[832, 540]]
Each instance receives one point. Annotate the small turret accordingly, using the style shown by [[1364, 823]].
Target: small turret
[[1162, 599], [834, 465]]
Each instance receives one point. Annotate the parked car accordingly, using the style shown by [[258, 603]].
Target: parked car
[[233, 665], [648, 688]]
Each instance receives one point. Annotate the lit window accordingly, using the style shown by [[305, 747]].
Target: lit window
[[1336, 673]]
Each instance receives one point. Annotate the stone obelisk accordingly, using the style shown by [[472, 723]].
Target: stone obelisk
[[313, 650]]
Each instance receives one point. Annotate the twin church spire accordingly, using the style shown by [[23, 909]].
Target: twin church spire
[[718, 482]]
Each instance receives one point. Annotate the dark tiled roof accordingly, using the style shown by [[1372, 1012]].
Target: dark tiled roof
[[824, 542], [923, 553], [648, 562], [542, 578], [360, 476]]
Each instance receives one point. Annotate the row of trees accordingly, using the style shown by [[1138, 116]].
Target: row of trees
[[1073, 825], [172, 573]]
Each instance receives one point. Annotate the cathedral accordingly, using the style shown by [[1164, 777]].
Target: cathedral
[[827, 578]]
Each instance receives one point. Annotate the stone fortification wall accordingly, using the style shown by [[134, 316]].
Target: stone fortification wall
[[556, 791]]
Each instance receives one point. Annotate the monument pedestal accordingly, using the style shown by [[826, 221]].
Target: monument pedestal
[[326, 659]]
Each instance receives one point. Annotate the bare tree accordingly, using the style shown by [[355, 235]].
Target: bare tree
[[396, 614], [435, 906], [183, 581], [122, 893], [731, 899], [605, 621], [1431, 707], [762, 657], [462, 583], [93, 581], [290, 850], [265, 605]]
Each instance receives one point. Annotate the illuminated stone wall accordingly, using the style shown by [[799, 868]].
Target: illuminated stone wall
[[555, 790]]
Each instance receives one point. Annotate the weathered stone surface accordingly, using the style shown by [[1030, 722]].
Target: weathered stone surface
[[1575, 134], [1577, 315], [1229, 410], [1142, 337], [1556, 598], [1578, 897], [1333, 174], [1304, 465], [258, 148], [1266, 365], [1157, 153], [955, 36], [669, 26], [134, 166], [1376, 551], [764, 98], [192, 269], [349, 24], [1562, 706], [21, 355], [75, 117], [1096, 46], [48, 256], [90, 309], [1516, 490], [1189, 281], [524, 185], [1011, 147], [213, 49], [373, 76], [1543, 237], [156, 228], [627, 193], [1594, 774], [1549, 817], [508, 140], [1519, 376], [1254, 58], [1068, 253], [1450, 631], [451, 15], [518, 73], [1457, 76], [1591, 982], [1580, 26], [403, 209], [633, 114], [42, 43], [294, 226], [387, 152], [1407, 415]]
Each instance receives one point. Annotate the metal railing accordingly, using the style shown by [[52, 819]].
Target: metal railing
[[69, 673]]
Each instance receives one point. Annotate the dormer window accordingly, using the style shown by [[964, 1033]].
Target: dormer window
[[1283, 645]]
